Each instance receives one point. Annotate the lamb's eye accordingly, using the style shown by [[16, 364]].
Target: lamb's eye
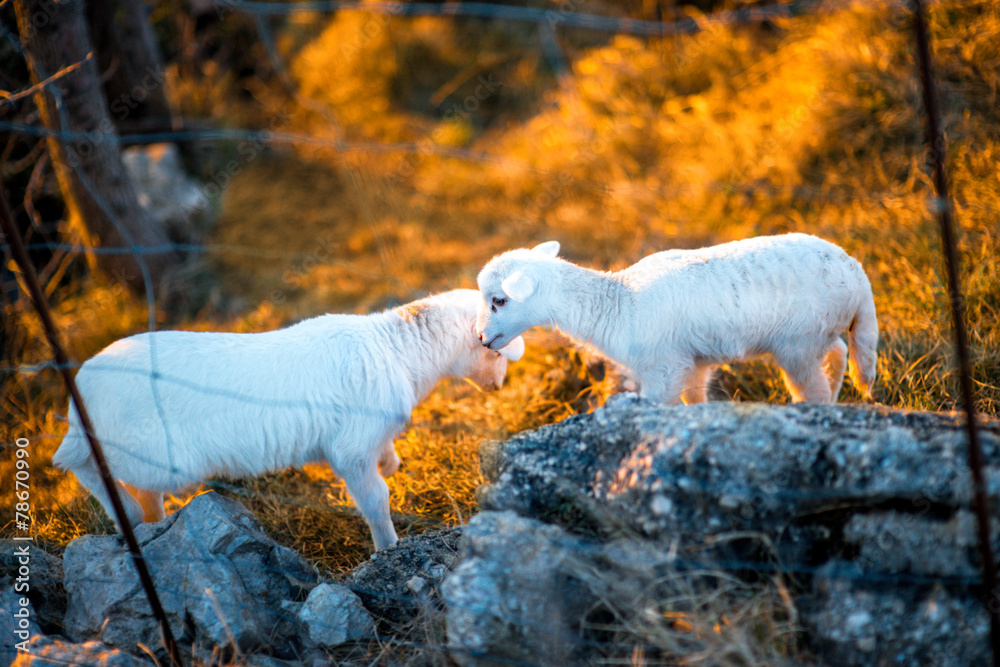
[[499, 302]]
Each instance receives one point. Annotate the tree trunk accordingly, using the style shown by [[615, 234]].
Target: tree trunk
[[102, 204], [130, 64]]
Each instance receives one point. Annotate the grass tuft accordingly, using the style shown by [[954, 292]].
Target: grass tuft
[[810, 124]]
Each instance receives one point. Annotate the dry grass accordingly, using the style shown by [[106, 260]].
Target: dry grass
[[810, 125], [693, 617]]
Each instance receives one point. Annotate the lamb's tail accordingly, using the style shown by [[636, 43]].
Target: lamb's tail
[[862, 338], [74, 451]]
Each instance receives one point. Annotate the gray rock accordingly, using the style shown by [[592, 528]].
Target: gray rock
[[774, 451], [511, 598], [878, 494], [400, 582], [333, 615], [164, 190], [49, 651], [526, 592], [17, 624], [856, 626], [45, 579], [895, 541], [491, 457], [715, 468], [261, 660], [220, 579]]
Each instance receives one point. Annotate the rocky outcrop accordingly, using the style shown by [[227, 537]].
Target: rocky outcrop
[[224, 585], [514, 596], [43, 573], [333, 615], [222, 581], [852, 624], [173, 200], [17, 625], [718, 534], [399, 583], [705, 469], [865, 508]]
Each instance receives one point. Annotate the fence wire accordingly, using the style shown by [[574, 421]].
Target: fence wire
[[550, 20]]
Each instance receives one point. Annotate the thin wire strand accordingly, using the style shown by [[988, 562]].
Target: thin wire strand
[[980, 500], [38, 299], [550, 18]]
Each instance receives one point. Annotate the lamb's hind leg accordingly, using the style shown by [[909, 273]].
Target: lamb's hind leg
[[88, 476], [388, 461], [696, 390], [151, 502], [835, 364], [805, 377]]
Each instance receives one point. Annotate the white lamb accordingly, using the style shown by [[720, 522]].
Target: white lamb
[[335, 388], [671, 318]]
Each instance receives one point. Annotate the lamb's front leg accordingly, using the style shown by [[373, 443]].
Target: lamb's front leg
[[664, 383], [371, 495]]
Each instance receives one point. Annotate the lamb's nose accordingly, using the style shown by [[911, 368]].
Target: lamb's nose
[[480, 338]]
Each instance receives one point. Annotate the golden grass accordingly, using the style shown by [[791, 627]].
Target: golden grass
[[813, 125]]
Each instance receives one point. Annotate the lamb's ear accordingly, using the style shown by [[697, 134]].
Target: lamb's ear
[[549, 249], [518, 286], [513, 350]]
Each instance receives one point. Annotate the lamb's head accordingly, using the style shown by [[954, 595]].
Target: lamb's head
[[486, 368], [513, 288]]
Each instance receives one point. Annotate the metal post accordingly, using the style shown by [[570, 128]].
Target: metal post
[[980, 501], [20, 256]]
